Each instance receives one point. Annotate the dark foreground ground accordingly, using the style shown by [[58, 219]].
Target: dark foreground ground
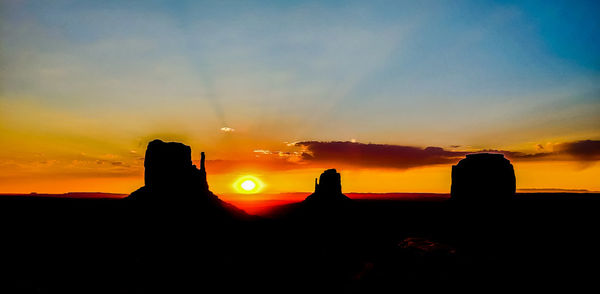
[[540, 241]]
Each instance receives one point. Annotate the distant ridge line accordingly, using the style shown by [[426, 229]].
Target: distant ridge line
[[526, 190]]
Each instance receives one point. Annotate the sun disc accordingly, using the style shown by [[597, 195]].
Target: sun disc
[[248, 185]]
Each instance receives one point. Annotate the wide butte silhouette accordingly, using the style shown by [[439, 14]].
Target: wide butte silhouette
[[483, 177]]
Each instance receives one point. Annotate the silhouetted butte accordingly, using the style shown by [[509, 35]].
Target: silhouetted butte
[[483, 177], [172, 180], [328, 189]]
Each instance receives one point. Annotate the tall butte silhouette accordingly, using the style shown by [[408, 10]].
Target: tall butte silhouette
[[483, 177], [172, 181]]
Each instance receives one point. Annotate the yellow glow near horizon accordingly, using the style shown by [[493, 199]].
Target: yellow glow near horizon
[[248, 185], [54, 178]]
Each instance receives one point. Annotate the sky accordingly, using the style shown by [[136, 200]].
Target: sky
[[281, 90]]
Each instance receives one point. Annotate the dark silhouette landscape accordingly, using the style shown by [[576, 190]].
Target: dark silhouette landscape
[[173, 235], [227, 146]]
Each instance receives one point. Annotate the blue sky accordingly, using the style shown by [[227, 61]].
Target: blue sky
[[432, 72]]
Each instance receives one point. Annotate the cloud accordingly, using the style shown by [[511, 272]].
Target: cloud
[[261, 151], [377, 155], [404, 157], [341, 154], [515, 155], [587, 150]]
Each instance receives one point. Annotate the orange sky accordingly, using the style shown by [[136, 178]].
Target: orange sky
[[53, 151], [57, 172]]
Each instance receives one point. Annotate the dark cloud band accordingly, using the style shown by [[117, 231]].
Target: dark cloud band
[[399, 156]]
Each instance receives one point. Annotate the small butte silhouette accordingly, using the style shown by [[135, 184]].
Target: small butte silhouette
[[175, 235], [328, 189]]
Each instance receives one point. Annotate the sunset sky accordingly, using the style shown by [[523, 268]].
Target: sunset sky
[[391, 93]]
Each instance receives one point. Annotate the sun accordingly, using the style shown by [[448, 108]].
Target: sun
[[248, 185]]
